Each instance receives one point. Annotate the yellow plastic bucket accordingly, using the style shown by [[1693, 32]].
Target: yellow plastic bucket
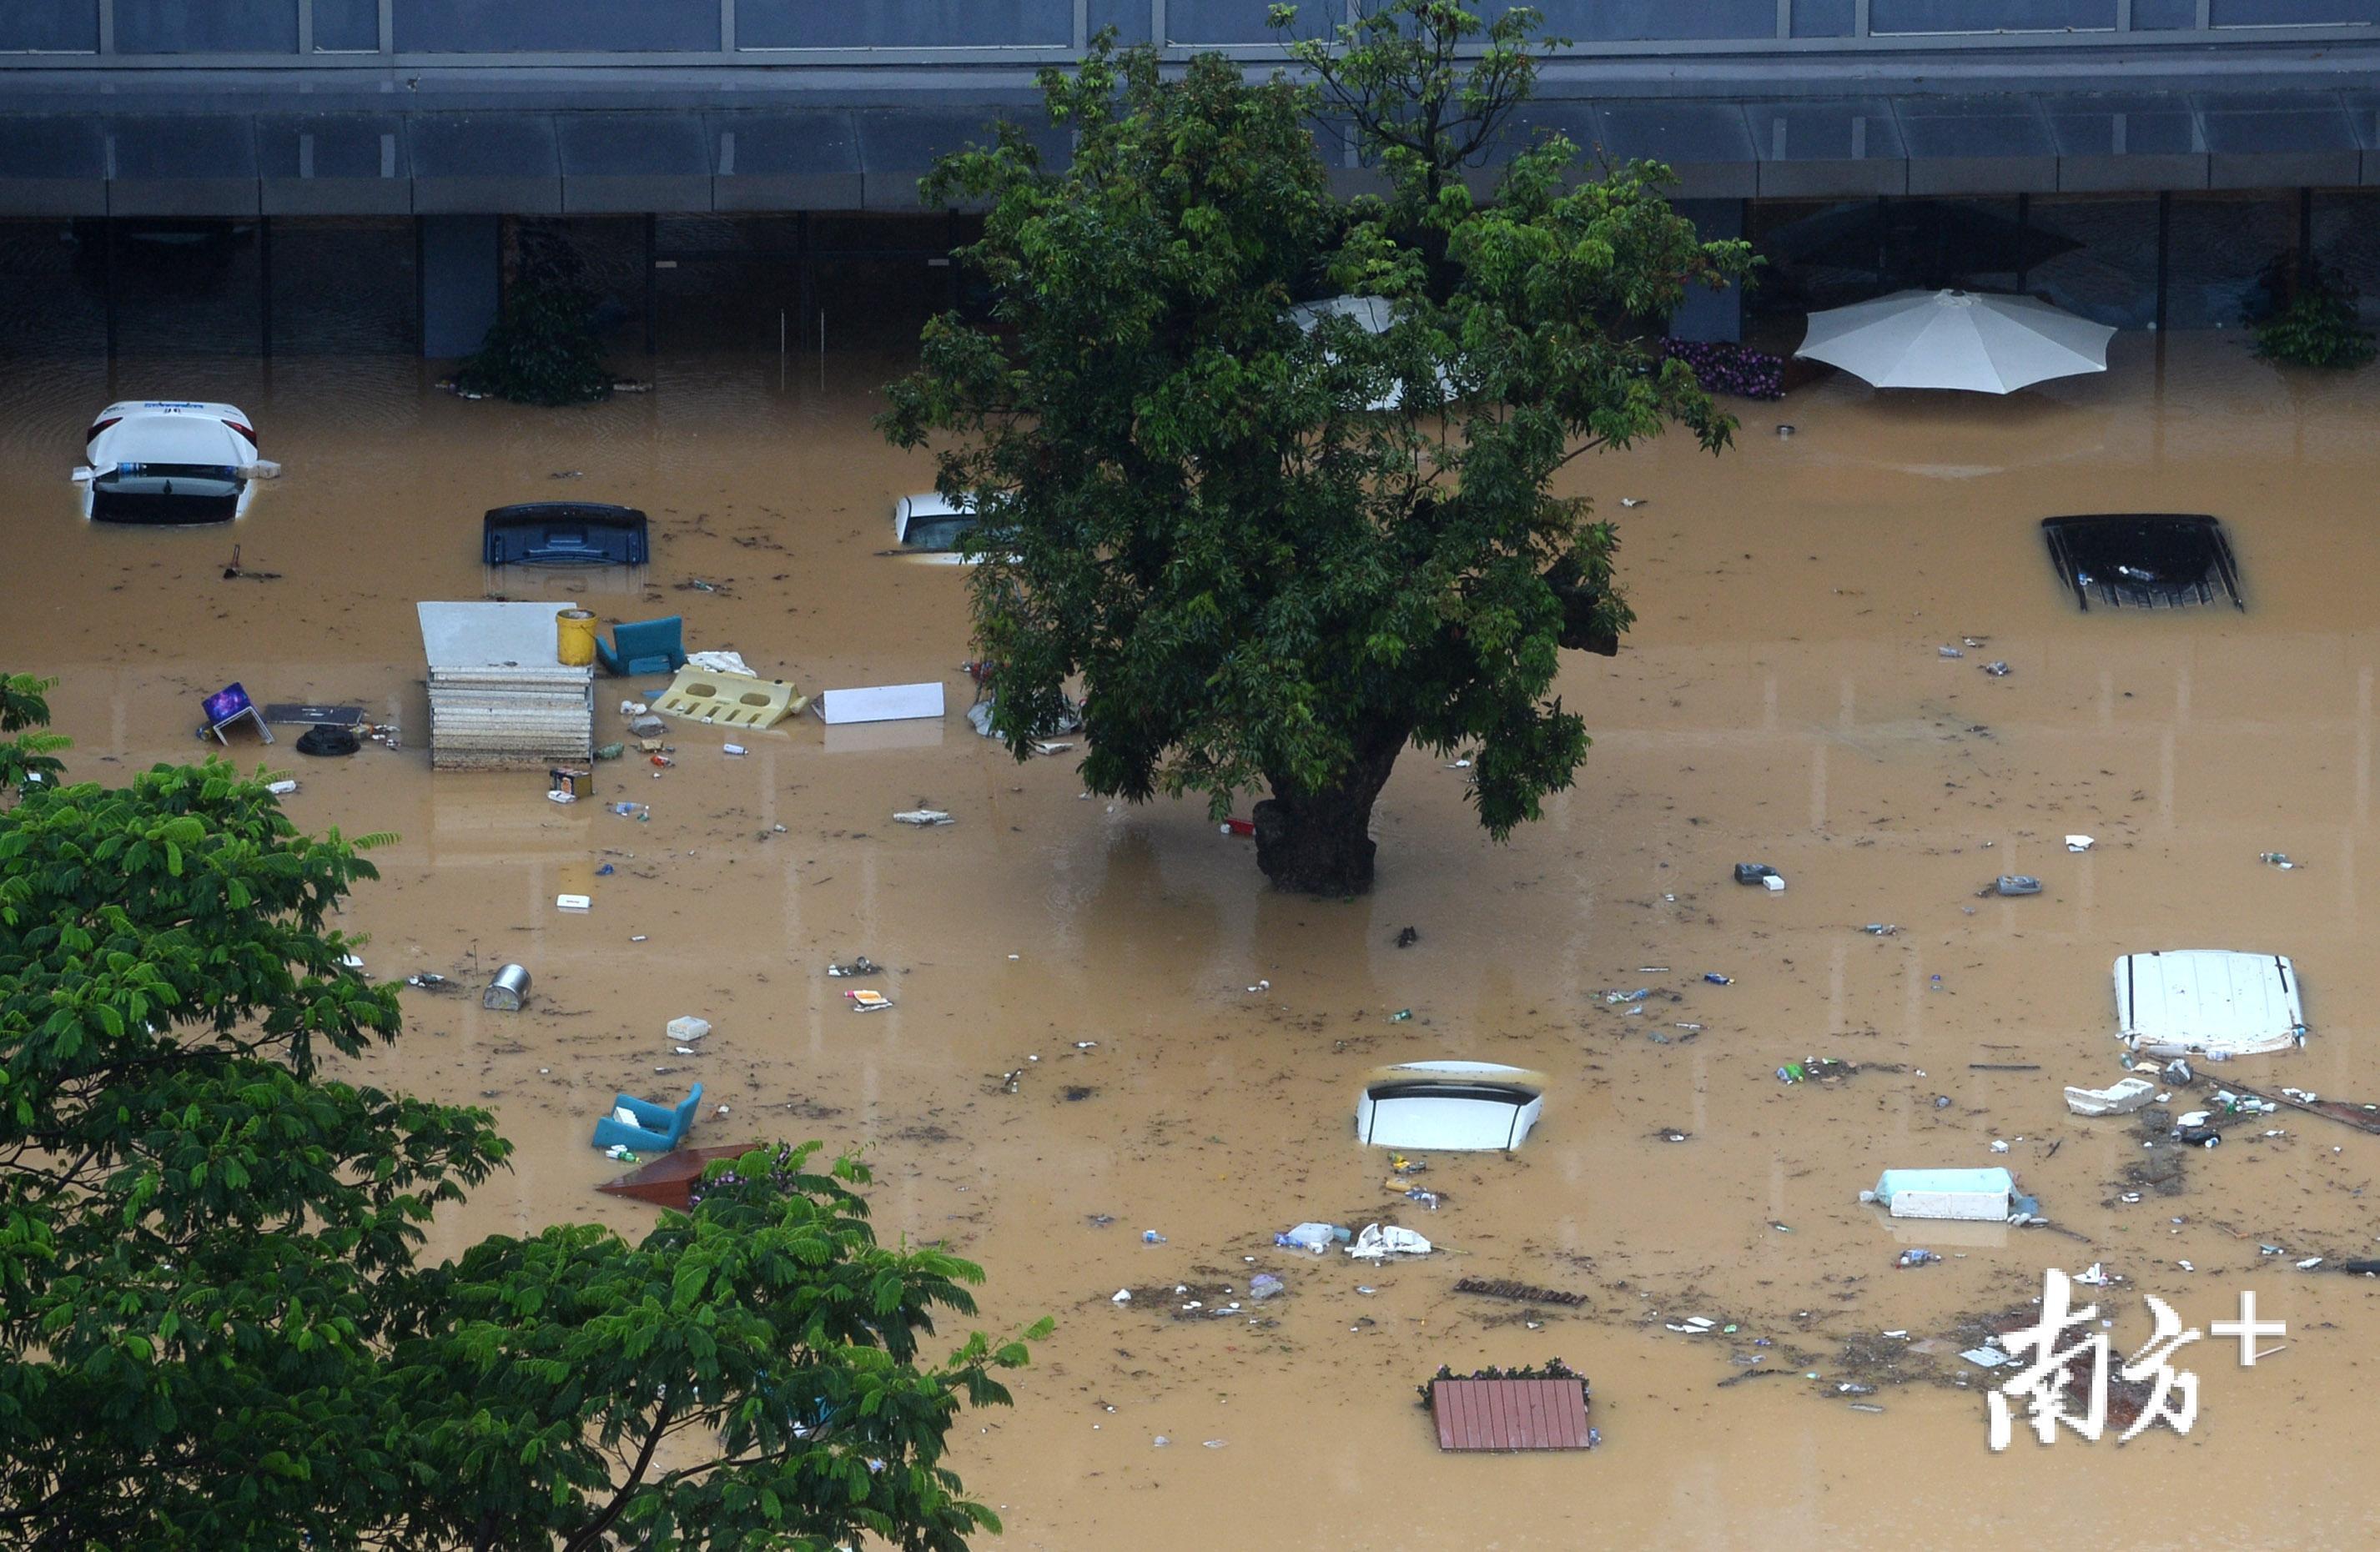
[[575, 637]]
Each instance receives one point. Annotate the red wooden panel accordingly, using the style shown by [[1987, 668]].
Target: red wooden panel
[[1533, 1398], [1483, 1402], [1570, 1418], [1503, 1414]]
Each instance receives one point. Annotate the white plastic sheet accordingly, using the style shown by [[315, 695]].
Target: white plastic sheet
[[1377, 1243]]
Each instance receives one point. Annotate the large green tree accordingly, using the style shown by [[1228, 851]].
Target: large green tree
[[1277, 546], [214, 1328]]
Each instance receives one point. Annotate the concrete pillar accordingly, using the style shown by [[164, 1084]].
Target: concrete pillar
[[1708, 314], [462, 270]]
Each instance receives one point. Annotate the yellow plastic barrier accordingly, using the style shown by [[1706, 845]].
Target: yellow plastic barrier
[[737, 700]]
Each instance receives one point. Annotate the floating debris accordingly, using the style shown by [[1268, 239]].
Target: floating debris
[[1517, 1292]]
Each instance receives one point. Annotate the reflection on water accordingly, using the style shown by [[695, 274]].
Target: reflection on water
[[1781, 700]]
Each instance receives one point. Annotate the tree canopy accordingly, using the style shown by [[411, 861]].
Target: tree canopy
[[1270, 470], [215, 1330], [25, 710]]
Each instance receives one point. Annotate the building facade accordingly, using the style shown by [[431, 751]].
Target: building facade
[[280, 175]]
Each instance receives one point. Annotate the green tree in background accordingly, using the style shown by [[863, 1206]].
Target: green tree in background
[[1428, 84], [2309, 316], [540, 350], [1275, 547], [215, 1333]]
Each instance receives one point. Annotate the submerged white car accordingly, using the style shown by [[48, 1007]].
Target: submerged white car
[[932, 527], [1449, 1106], [2214, 1003], [168, 461]]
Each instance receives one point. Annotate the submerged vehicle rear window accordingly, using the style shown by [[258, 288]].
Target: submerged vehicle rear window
[[2144, 560], [565, 533], [166, 494]]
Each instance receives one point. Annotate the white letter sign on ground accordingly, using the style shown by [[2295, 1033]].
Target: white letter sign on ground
[[2046, 1385]]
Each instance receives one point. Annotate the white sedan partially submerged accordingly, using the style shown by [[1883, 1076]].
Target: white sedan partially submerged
[[2208, 1002], [1450, 1106], [170, 462], [933, 527]]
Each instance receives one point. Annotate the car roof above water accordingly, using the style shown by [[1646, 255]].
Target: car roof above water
[[159, 409]]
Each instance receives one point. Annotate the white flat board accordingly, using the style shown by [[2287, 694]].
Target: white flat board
[[482, 634], [880, 703], [2208, 1002]]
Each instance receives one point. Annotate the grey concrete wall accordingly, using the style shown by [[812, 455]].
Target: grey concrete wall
[[461, 269]]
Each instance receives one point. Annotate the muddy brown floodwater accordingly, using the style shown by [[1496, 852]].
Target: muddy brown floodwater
[[1781, 699]]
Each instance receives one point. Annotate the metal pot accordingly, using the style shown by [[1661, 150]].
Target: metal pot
[[508, 992]]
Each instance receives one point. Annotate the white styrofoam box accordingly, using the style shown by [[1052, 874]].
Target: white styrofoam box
[[1977, 1194]]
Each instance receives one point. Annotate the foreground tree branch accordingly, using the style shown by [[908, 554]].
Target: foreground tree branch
[[214, 1328]]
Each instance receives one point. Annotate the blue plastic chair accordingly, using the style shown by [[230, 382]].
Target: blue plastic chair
[[663, 1127], [646, 647]]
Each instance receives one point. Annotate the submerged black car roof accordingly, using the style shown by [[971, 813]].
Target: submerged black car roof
[[2145, 560], [563, 533]]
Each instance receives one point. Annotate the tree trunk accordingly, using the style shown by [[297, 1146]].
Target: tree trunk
[[1318, 842]]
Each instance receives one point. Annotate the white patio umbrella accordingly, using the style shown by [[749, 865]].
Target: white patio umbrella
[[1956, 339]]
